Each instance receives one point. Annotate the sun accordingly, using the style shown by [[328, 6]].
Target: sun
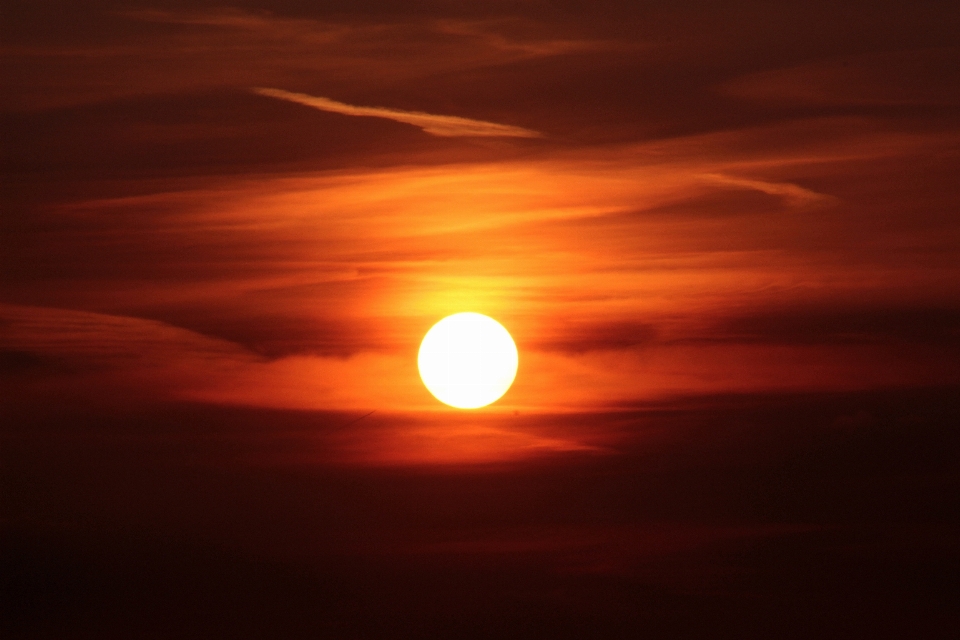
[[468, 360]]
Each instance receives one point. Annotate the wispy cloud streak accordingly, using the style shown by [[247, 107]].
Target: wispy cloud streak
[[437, 125], [792, 193]]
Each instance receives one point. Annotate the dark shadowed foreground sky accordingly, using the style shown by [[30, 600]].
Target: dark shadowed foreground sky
[[725, 238]]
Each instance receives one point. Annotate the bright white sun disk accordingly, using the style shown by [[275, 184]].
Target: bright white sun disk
[[468, 360]]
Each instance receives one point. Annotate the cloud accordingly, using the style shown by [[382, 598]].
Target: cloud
[[843, 324], [152, 53], [139, 357], [437, 125], [225, 18], [898, 78], [616, 269], [791, 193]]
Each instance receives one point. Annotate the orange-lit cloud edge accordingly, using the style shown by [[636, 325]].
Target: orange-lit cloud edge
[[556, 248]]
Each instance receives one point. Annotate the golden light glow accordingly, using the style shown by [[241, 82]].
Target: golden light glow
[[467, 360]]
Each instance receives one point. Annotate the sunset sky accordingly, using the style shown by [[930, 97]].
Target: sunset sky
[[726, 240]]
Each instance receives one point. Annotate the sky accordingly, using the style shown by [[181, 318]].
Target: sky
[[724, 238]]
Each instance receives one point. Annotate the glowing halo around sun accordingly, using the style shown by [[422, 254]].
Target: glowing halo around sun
[[467, 360]]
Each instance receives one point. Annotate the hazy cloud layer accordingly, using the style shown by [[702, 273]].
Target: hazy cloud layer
[[692, 190], [898, 78]]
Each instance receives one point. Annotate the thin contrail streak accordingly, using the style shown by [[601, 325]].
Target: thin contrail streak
[[447, 126]]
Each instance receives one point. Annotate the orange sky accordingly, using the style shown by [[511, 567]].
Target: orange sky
[[724, 236], [270, 208]]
